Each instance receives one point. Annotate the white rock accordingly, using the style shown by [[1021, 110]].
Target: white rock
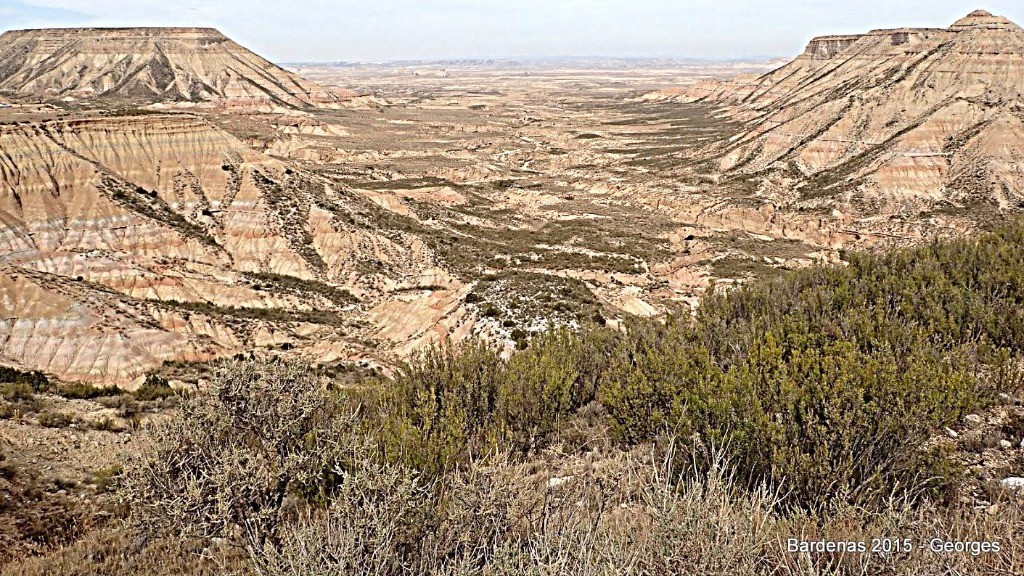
[[556, 481], [973, 418], [951, 433], [1005, 444], [1014, 483]]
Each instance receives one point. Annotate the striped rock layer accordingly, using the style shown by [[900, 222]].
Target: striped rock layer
[[914, 117]]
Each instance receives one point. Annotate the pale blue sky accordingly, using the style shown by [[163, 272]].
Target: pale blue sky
[[378, 30]]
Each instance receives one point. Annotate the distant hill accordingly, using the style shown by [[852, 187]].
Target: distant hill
[[147, 65], [919, 117]]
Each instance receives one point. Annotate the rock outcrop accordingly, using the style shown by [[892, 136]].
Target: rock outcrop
[[915, 117], [146, 65]]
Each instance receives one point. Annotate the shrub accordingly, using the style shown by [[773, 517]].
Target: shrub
[[106, 478], [449, 405], [834, 421], [549, 381], [154, 388], [16, 392], [234, 457], [16, 399], [375, 525], [439, 407], [831, 380], [105, 424], [82, 391], [55, 419], [34, 379]]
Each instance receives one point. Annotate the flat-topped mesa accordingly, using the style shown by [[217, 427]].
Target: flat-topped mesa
[[128, 32], [827, 47], [898, 36], [147, 65]]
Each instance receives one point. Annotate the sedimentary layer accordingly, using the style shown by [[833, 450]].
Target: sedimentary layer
[[914, 116], [147, 65], [130, 242]]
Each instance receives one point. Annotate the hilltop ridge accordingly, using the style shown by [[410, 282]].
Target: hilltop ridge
[[147, 65], [911, 116]]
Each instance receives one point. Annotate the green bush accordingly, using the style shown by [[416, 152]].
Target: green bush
[[16, 392], [834, 421], [16, 399], [81, 391], [831, 380], [439, 407], [816, 417], [154, 388], [449, 405], [55, 419], [544, 384], [34, 379]]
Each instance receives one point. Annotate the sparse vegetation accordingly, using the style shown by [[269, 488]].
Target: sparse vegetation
[[18, 397], [149, 204], [616, 240], [292, 285], [535, 300], [34, 379], [154, 388], [55, 419], [82, 391], [249, 313], [803, 404]]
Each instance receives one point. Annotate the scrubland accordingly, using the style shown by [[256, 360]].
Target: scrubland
[[838, 403]]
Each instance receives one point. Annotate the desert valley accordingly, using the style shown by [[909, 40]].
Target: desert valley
[[171, 202]]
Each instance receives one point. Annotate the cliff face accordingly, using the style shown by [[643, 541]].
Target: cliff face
[[147, 65], [133, 241], [826, 47], [915, 116]]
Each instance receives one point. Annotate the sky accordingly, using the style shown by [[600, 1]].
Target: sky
[[385, 30]]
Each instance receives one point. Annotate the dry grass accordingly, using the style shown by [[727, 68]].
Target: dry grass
[[620, 513], [117, 551], [609, 513]]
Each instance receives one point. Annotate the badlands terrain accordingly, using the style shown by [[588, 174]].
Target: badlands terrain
[[150, 228], [170, 198]]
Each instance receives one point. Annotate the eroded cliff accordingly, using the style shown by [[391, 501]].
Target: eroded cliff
[[912, 117], [128, 242]]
